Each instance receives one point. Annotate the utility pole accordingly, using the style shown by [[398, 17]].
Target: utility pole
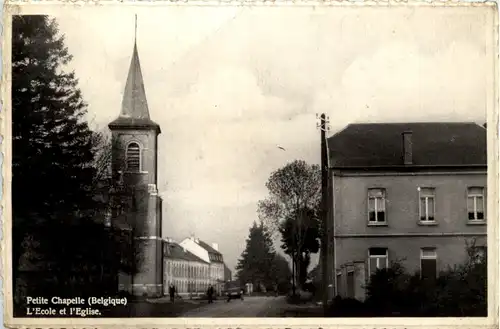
[[323, 126]]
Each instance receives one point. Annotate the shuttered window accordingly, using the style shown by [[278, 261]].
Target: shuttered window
[[133, 157]]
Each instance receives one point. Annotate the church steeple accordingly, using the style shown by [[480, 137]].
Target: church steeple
[[134, 112], [134, 103]]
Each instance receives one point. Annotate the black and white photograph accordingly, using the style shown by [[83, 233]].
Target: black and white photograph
[[235, 161]]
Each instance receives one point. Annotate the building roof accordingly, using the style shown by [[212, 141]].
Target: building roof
[[135, 112], [208, 247], [433, 144], [175, 251]]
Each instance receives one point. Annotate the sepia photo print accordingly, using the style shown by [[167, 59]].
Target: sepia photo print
[[327, 162]]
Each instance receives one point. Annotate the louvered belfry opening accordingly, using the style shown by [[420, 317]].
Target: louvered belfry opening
[[133, 157]]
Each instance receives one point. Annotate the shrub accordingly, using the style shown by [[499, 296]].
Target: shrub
[[347, 307], [458, 291]]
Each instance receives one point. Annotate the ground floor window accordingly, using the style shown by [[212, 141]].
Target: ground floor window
[[339, 284], [428, 263], [350, 284], [378, 258]]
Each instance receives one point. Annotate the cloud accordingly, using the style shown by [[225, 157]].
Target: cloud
[[398, 83], [226, 91]]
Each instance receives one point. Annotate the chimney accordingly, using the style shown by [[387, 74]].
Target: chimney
[[215, 246], [407, 148]]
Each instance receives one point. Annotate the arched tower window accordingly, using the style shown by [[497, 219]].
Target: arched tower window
[[133, 157]]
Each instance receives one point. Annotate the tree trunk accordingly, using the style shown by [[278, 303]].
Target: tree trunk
[[293, 274]]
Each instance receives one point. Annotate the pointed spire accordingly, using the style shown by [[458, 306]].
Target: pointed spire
[[134, 103], [134, 113]]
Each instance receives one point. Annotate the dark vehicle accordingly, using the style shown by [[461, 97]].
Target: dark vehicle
[[234, 293]]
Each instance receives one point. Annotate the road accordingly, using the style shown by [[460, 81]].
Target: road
[[249, 307]]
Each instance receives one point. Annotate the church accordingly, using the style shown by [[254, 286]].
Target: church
[[135, 163], [192, 265]]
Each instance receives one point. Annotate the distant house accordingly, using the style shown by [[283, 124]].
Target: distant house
[[187, 272], [414, 192], [211, 255]]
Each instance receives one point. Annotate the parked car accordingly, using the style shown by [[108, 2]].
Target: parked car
[[234, 293]]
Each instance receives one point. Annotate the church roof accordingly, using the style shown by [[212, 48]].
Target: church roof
[[135, 112]]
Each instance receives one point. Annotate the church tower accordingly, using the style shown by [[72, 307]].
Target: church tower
[[135, 165]]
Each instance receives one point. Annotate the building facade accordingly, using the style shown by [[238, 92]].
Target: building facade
[[188, 273], [413, 193], [134, 166], [211, 255]]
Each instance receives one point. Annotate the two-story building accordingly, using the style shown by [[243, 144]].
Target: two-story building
[[211, 255], [188, 273], [409, 192]]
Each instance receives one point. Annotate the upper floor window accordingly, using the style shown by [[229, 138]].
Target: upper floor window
[[475, 204], [428, 263], [133, 157], [427, 205], [376, 206], [378, 258]]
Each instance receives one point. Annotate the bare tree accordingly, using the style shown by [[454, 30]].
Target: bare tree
[[119, 199]]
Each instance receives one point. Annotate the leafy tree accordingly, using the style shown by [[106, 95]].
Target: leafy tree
[[300, 238], [256, 262], [281, 273], [291, 208]]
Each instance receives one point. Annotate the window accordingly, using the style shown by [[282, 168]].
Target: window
[[376, 206], [133, 157], [427, 205], [339, 283], [350, 284], [377, 259], [475, 204], [428, 263]]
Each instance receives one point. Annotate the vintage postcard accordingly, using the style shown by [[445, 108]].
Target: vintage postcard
[[238, 165]]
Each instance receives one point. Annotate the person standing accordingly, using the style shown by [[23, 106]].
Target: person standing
[[210, 293], [171, 292]]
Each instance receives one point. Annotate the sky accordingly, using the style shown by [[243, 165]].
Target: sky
[[230, 84]]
